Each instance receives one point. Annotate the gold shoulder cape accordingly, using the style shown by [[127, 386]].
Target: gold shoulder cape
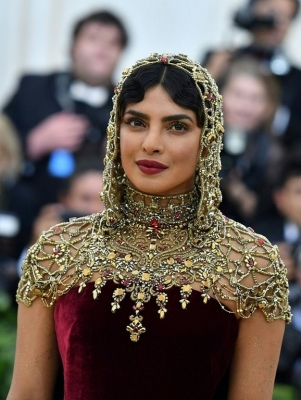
[[235, 264]]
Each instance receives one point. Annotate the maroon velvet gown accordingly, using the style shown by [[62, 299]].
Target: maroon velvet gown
[[181, 357]]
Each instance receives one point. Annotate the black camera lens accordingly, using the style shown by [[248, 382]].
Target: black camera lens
[[246, 19]]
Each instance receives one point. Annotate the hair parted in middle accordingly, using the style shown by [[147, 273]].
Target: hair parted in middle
[[189, 85]]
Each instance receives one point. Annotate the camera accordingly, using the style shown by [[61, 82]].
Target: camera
[[247, 19]]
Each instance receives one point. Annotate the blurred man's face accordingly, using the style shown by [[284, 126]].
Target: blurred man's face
[[288, 200], [95, 52], [283, 11]]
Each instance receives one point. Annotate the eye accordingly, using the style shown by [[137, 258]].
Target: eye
[[178, 126], [135, 122]]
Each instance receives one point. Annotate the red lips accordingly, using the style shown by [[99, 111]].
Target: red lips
[[150, 167]]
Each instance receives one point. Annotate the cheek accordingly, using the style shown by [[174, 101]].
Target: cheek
[[115, 53], [189, 155], [127, 149]]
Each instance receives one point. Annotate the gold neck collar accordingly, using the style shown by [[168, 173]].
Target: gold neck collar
[[160, 211]]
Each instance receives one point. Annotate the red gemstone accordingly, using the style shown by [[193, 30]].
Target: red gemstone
[[106, 273], [210, 97], [186, 246], [135, 212], [136, 330], [56, 229], [260, 241], [156, 230], [251, 262], [164, 60], [126, 282], [121, 255], [185, 281], [56, 250], [154, 223], [160, 287], [120, 241], [134, 307], [141, 308], [177, 215], [179, 260]]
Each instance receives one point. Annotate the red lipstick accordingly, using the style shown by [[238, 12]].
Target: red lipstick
[[150, 167]]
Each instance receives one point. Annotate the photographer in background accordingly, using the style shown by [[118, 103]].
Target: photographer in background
[[250, 153], [79, 197], [61, 118], [288, 201], [268, 22]]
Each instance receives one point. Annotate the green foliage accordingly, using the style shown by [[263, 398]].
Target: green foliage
[[284, 392], [8, 325]]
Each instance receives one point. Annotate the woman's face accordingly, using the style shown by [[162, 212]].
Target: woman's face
[[246, 104], [159, 143]]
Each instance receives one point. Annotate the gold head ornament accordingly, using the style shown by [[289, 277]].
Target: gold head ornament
[[207, 178]]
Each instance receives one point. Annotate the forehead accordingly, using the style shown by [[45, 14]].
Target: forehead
[[157, 99], [246, 83]]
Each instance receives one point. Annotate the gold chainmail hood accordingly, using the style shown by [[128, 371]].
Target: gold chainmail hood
[[207, 178]]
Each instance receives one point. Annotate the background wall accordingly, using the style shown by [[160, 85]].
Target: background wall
[[34, 34]]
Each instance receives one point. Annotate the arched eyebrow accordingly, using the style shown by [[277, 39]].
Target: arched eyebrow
[[175, 117], [137, 114]]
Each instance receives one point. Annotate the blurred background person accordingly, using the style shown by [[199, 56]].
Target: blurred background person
[[78, 197], [268, 22], [284, 229], [61, 118], [250, 152], [10, 168]]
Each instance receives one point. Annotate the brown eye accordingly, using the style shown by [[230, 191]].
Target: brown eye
[[179, 126], [134, 122]]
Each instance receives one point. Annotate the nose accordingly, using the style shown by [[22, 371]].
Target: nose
[[153, 140]]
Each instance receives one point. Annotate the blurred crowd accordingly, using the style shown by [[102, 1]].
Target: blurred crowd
[[53, 137]]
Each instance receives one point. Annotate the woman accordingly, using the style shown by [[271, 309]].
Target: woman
[[251, 154], [179, 290]]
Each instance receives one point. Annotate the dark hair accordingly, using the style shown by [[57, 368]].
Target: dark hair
[[105, 18], [177, 83], [290, 167], [83, 168]]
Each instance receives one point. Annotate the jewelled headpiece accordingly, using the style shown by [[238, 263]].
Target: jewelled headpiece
[[209, 165]]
